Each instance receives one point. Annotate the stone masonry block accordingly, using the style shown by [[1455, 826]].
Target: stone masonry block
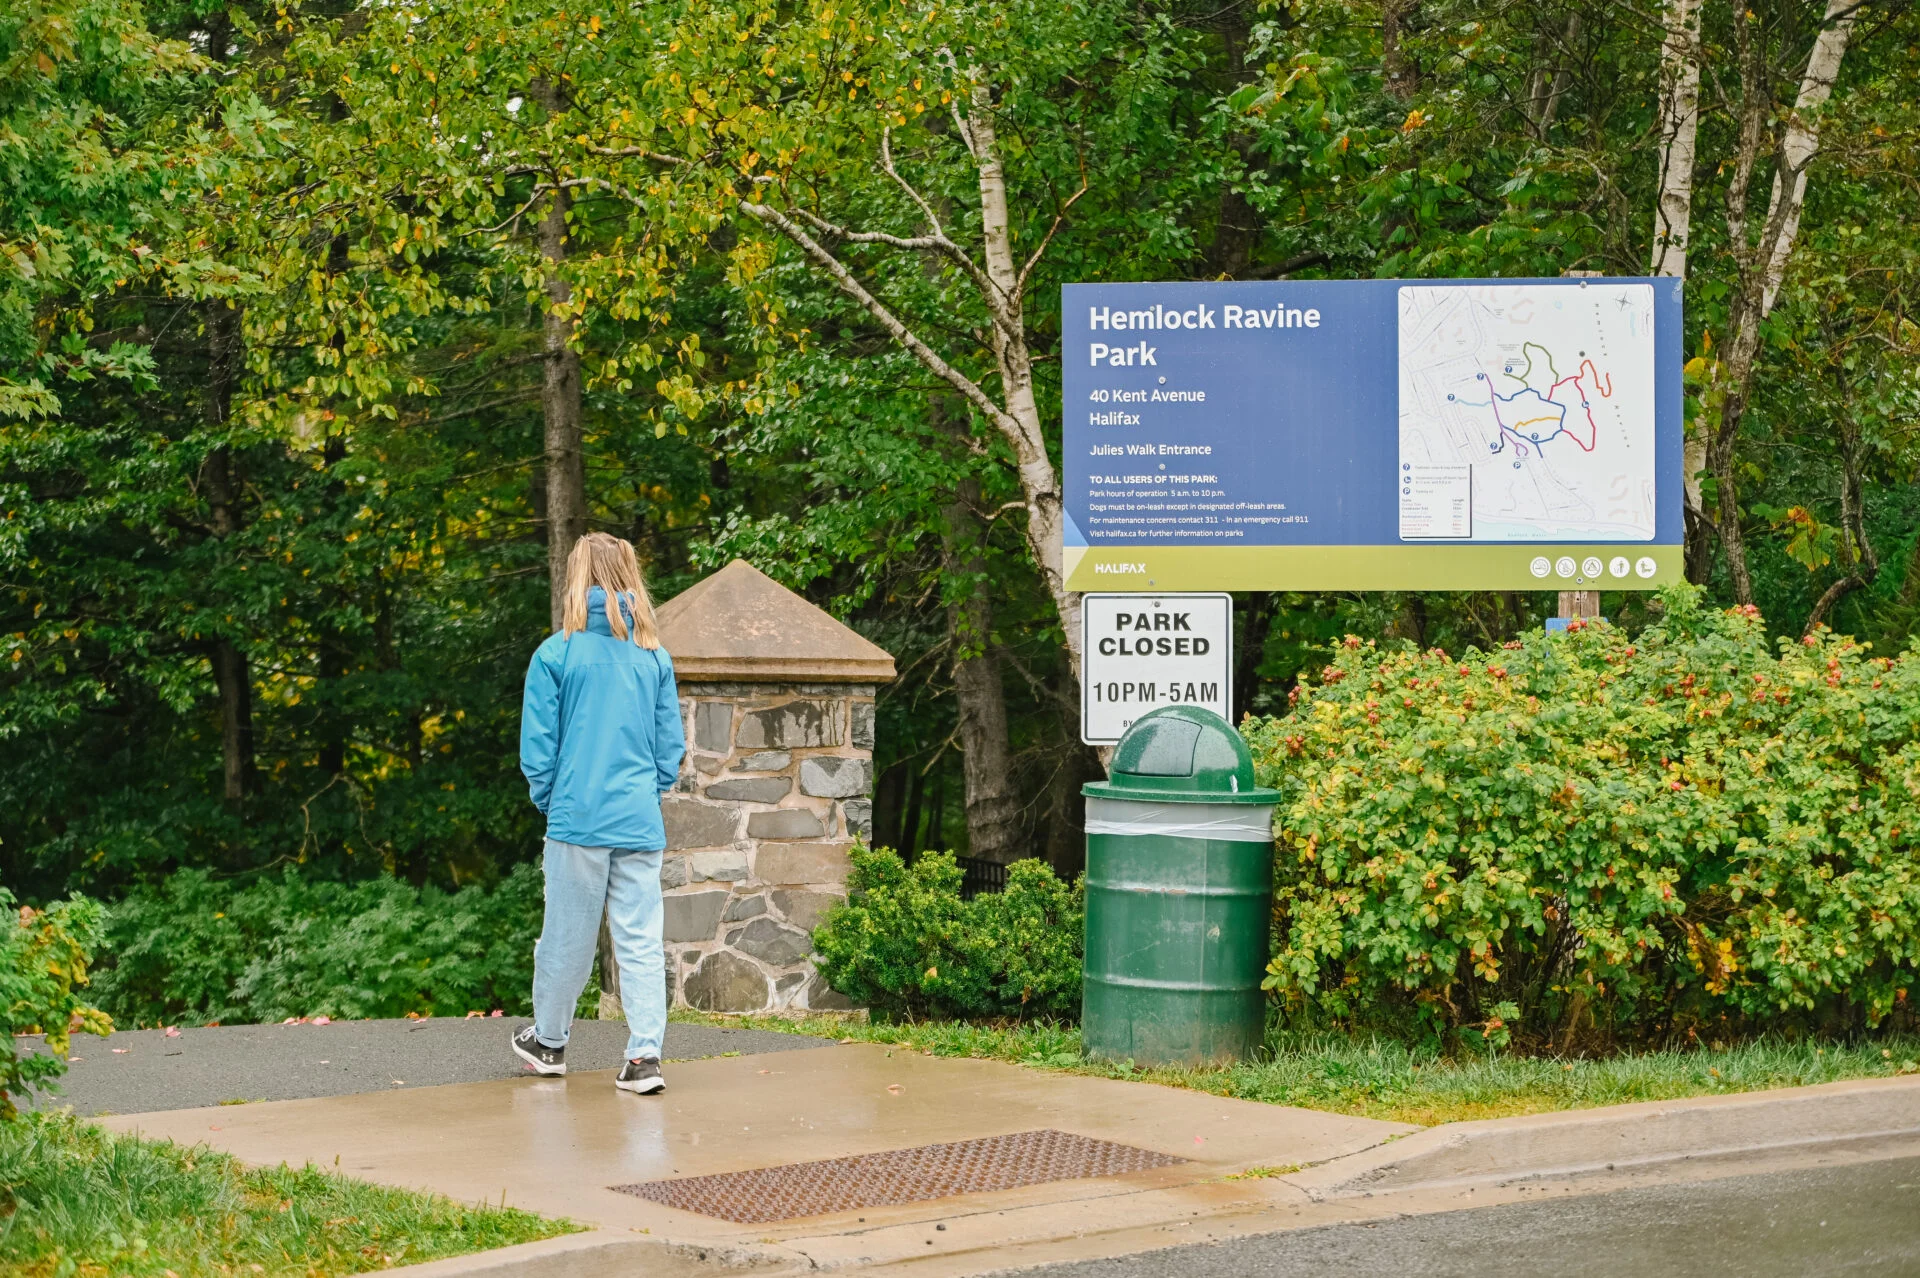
[[673, 872], [724, 865], [725, 982], [752, 789], [771, 942], [824, 998], [744, 907], [694, 916], [801, 862], [693, 824], [764, 761], [861, 716], [830, 777], [803, 909], [713, 726], [797, 723], [859, 814], [785, 823]]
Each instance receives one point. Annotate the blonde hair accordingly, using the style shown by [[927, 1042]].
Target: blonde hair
[[603, 560]]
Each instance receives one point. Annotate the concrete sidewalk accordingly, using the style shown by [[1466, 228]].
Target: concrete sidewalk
[[141, 1071], [557, 1146]]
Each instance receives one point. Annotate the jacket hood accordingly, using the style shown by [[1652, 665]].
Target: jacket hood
[[597, 622]]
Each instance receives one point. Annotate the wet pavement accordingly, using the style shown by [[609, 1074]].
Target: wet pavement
[[1862, 1218], [140, 1071], [722, 1115]]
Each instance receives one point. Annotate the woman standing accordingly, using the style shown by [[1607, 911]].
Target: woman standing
[[600, 743]]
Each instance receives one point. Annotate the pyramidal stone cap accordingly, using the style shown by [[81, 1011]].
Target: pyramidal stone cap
[[742, 625]]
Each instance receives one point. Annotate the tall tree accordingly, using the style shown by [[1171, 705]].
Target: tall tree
[[859, 132], [1761, 259]]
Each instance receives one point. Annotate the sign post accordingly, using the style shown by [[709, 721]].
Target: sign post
[[1144, 651]]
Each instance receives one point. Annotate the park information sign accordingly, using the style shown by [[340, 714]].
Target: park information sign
[[1373, 435], [1141, 652]]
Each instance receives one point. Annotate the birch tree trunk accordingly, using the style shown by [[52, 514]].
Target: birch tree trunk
[[1673, 219], [1679, 129], [1046, 513], [1764, 263]]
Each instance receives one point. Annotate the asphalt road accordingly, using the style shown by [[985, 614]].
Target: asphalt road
[[1862, 1218], [140, 1071]]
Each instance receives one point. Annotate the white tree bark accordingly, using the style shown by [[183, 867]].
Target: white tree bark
[[1673, 211], [1800, 142], [1679, 129], [1046, 515], [1764, 263], [1001, 284]]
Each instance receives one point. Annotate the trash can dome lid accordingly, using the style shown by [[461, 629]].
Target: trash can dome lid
[[1182, 754]]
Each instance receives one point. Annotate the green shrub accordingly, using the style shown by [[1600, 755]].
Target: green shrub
[[905, 942], [1593, 834], [43, 964], [197, 949]]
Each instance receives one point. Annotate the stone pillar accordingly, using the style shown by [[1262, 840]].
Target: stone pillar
[[778, 705]]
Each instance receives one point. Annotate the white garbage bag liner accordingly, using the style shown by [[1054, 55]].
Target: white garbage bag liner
[[1232, 822]]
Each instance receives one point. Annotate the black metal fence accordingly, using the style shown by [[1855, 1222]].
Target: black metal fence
[[980, 876]]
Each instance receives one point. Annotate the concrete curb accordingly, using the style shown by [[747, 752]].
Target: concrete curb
[[1622, 1137], [600, 1253]]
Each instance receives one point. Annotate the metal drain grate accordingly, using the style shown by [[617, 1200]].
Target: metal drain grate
[[898, 1176]]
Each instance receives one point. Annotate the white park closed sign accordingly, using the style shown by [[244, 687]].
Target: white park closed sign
[[1141, 652]]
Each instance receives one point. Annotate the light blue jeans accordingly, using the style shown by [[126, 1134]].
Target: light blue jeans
[[581, 882]]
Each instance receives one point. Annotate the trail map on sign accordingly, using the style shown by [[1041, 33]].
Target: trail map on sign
[[1527, 413]]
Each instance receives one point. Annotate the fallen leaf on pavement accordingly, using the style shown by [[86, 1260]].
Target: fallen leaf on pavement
[[498, 1012], [895, 1088], [323, 1020], [471, 1015], [172, 1032], [121, 1051]]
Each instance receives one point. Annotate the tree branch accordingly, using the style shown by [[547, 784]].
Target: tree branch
[[874, 307], [1059, 219]]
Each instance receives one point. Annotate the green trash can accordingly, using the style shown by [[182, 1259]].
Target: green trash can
[[1179, 895]]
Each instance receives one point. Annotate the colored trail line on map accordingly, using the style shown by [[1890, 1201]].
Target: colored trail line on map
[[1587, 370]]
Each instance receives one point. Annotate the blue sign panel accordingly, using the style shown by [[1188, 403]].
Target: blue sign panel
[[1373, 435]]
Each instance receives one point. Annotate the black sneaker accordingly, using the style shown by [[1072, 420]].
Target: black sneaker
[[540, 1058], [641, 1076]]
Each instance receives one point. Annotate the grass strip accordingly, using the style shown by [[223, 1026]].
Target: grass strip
[[1381, 1078], [78, 1200]]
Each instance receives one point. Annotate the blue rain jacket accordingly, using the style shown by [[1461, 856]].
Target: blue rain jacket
[[600, 735]]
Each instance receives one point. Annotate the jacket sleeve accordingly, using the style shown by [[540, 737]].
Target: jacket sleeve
[[540, 728], [669, 734]]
